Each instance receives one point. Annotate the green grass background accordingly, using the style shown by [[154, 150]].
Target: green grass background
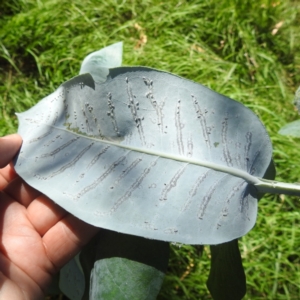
[[248, 50]]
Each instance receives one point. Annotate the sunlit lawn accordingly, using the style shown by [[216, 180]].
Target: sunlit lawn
[[247, 50]]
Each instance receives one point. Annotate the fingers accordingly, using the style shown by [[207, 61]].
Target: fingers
[[64, 240], [63, 235], [7, 174], [21, 244], [43, 214], [21, 191], [9, 146]]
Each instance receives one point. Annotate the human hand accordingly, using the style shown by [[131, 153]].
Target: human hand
[[37, 236]]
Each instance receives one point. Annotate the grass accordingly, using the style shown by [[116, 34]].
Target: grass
[[247, 50]]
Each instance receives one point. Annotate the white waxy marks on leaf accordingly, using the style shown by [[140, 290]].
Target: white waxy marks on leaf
[[225, 210], [96, 157], [202, 118], [250, 163], [226, 152], [194, 190], [179, 126], [96, 182], [171, 231], [253, 163], [237, 157], [158, 107], [206, 199], [172, 184], [72, 162], [54, 140], [40, 137], [57, 150], [132, 188], [190, 147], [247, 148], [93, 162], [244, 200], [125, 172], [111, 113], [134, 107], [149, 226]]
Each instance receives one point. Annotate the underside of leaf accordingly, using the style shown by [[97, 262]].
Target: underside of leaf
[[147, 153]]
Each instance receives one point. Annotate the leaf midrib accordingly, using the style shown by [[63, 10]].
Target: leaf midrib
[[207, 164]]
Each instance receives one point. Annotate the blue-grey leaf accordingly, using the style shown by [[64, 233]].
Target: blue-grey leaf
[[292, 129], [297, 99], [110, 282], [147, 153], [99, 62], [71, 280], [124, 266]]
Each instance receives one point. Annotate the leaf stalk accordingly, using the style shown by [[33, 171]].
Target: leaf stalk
[[276, 187]]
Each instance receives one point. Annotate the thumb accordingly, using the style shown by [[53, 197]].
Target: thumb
[[9, 146]]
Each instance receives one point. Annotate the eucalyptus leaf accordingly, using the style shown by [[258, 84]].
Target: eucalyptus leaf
[[292, 129], [297, 99], [71, 280], [147, 153], [99, 62], [108, 272], [125, 266]]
